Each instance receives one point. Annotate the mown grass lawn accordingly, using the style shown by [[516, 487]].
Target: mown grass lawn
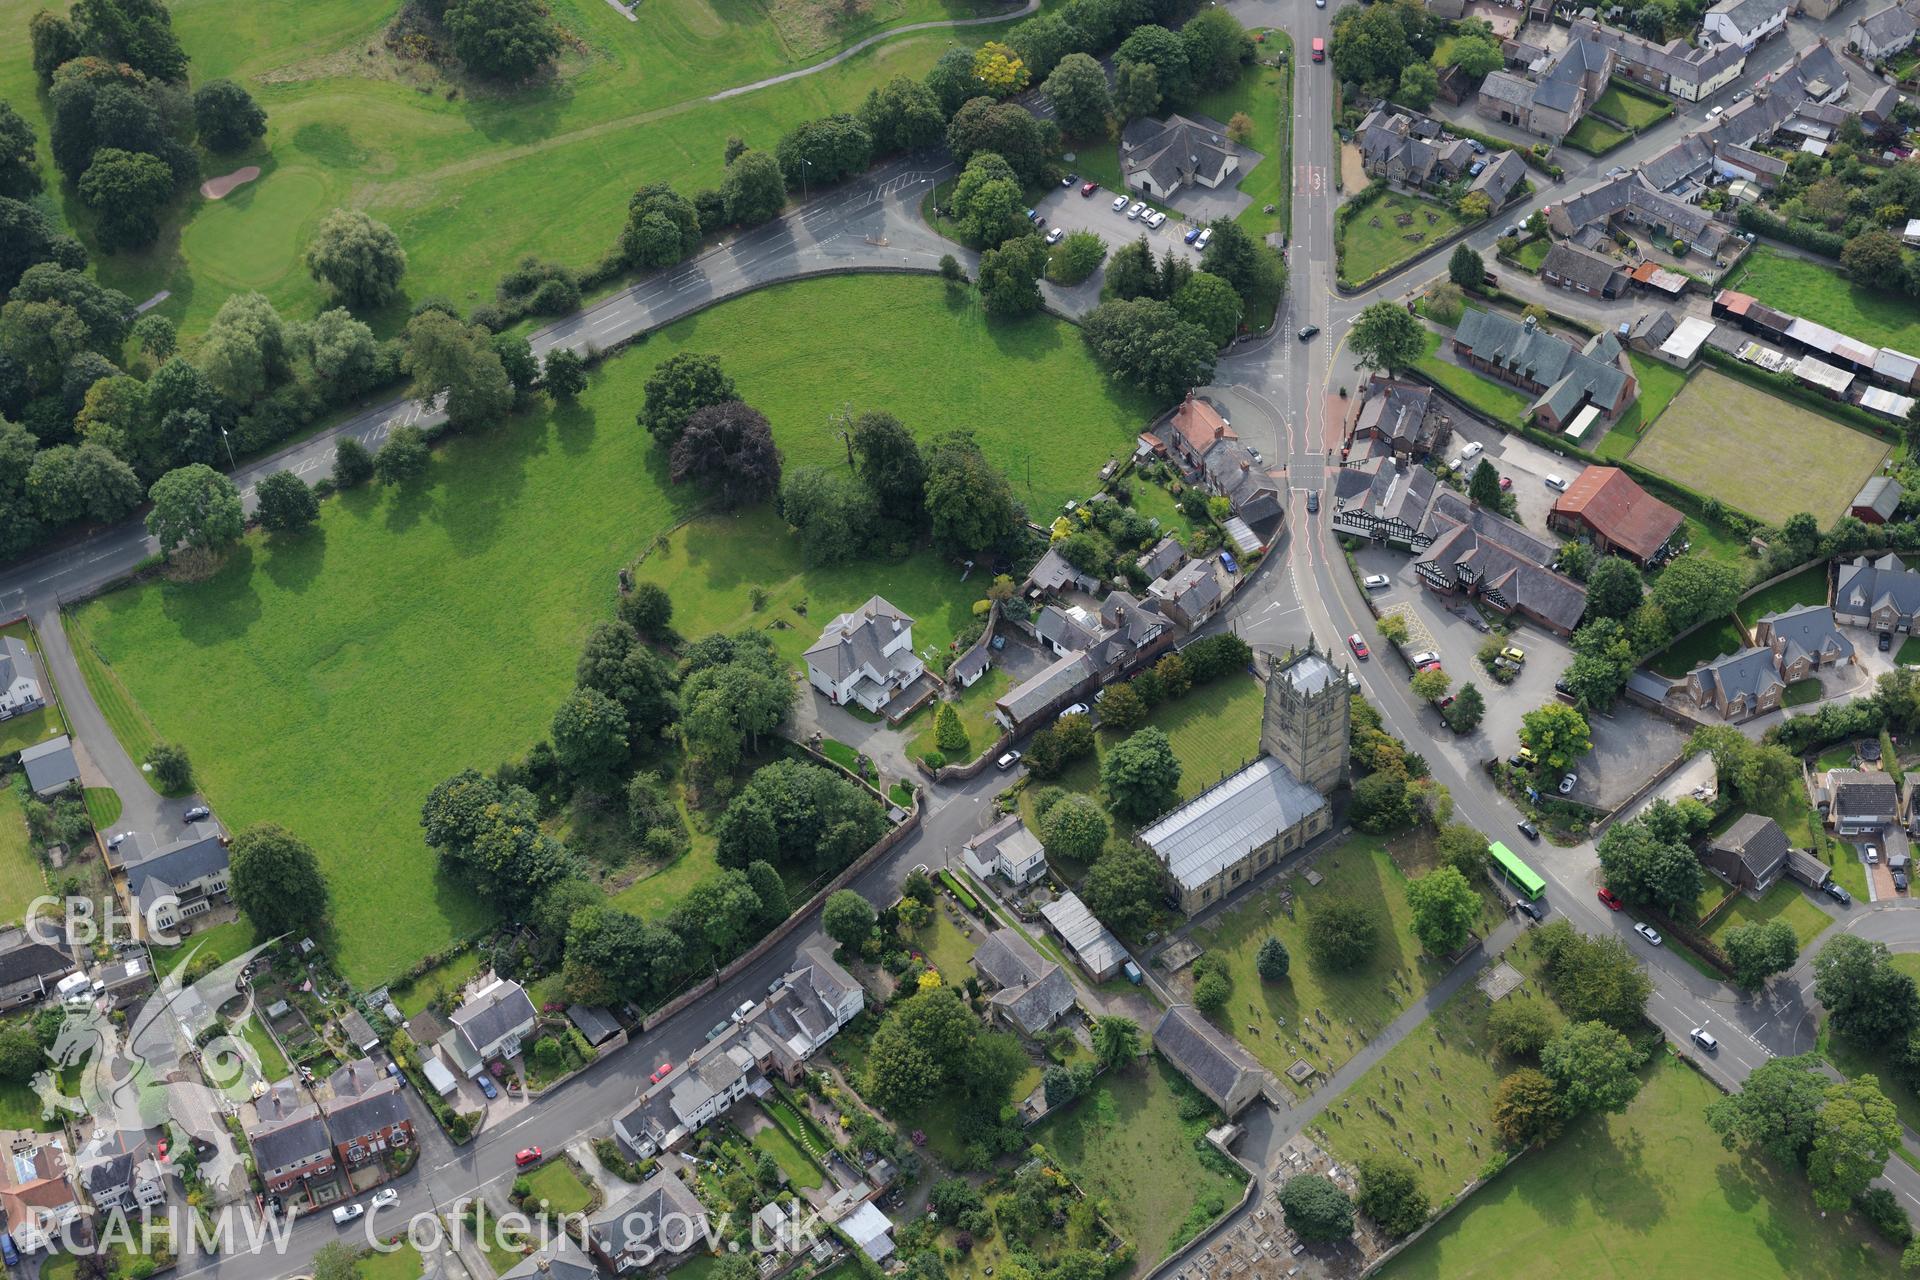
[[1322, 1014], [1433, 1115], [1704, 645], [328, 682], [1496, 400], [21, 877], [1648, 1192], [556, 1183], [1784, 901], [1814, 290], [1659, 384], [1792, 458], [1534, 252], [1630, 109], [1595, 136], [470, 177], [1908, 652], [20, 1109], [1125, 1143], [36, 726], [1266, 95], [223, 940], [801, 1171], [1368, 250], [103, 807], [444, 979], [403, 1263], [945, 947], [974, 706], [1808, 586]]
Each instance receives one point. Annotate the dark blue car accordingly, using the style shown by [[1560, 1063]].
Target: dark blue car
[[1193, 233]]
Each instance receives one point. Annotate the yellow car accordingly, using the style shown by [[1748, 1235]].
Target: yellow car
[[1514, 653]]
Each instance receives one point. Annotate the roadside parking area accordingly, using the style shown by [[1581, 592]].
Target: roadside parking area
[[1066, 208]]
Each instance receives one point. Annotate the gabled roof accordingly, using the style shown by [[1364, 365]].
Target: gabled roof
[[563, 1260], [16, 663], [1880, 494], [1866, 585], [291, 1140], [1623, 513], [1176, 151], [1578, 266], [1744, 674], [1032, 988], [492, 1012], [1502, 174], [1199, 424], [1505, 86], [1161, 557], [1501, 556], [174, 867], [1395, 411], [1221, 825], [1860, 792], [631, 1222], [1032, 696], [1757, 841], [50, 764], [380, 1105], [1206, 1055], [24, 961], [1806, 630], [1090, 940], [855, 639], [1052, 572]]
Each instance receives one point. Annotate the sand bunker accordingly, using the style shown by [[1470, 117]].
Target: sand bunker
[[214, 188]]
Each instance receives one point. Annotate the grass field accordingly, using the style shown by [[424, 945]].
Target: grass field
[[1433, 1114], [328, 682], [1808, 586], [1368, 250], [1266, 95], [1704, 645], [1338, 1011], [1630, 109], [1659, 384], [974, 706], [1595, 136], [1650, 1192], [469, 177], [35, 726], [1784, 901], [1496, 400], [1757, 453], [1814, 290], [103, 807], [556, 1183], [1126, 1143], [21, 878]]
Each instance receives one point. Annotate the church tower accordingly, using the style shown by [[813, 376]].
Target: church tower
[[1306, 720]]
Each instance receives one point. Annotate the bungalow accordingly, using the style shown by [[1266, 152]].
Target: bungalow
[[19, 680], [652, 1226], [1030, 991], [491, 1024], [50, 765], [289, 1139], [1748, 855], [1053, 573], [1856, 802], [865, 656], [1047, 689], [1006, 849], [38, 1200], [1605, 504], [1211, 1059], [1562, 378], [1159, 157], [1883, 594], [29, 966], [1745, 22], [175, 883], [1570, 267], [366, 1113], [1876, 503]]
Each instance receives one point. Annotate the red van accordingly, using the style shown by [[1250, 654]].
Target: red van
[[1319, 49]]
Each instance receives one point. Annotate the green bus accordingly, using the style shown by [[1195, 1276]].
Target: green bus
[[1518, 874]]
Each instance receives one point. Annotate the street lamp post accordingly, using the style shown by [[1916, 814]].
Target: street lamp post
[[805, 164], [229, 443]]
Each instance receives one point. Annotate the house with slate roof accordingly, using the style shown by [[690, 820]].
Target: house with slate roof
[[561, 1260], [118, 1171], [1161, 157], [1053, 573], [1476, 552], [1745, 22], [366, 1113], [1385, 500], [1406, 147], [1804, 640], [1404, 419], [491, 1024], [50, 765], [1880, 593], [1006, 849], [1884, 33], [1564, 379], [1193, 593], [1857, 801], [174, 883], [652, 1227], [865, 656], [1631, 202], [1030, 992], [1738, 685], [289, 1139], [29, 967], [1564, 87], [1216, 1064], [1748, 855], [1676, 68], [1791, 645], [1570, 267], [1038, 694], [1161, 559], [19, 680]]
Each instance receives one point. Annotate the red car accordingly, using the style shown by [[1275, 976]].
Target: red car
[[1611, 899], [1430, 666], [1506, 482], [660, 1072], [527, 1156], [1359, 646], [1088, 188]]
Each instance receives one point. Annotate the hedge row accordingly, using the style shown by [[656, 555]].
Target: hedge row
[[1812, 239]]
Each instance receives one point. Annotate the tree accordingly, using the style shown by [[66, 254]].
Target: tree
[[1371, 45], [1116, 1040], [1315, 1208], [663, 227], [1077, 92], [1216, 47], [1418, 85], [648, 610], [948, 733], [1431, 685], [969, 501], [903, 115], [1122, 887], [359, 260], [1009, 276], [284, 503], [1463, 848], [754, 192], [1466, 268], [19, 168], [921, 1046], [245, 349], [1390, 1194], [1484, 487], [1211, 303], [227, 116], [1758, 951], [563, 374], [1147, 344], [85, 483], [848, 918], [1341, 934], [275, 878], [1594, 978], [1776, 1110], [823, 151], [403, 458], [1521, 1028], [197, 506], [1855, 1131], [1646, 864], [1058, 1084], [170, 767], [335, 1262], [446, 356], [352, 464], [502, 39], [1123, 708], [1211, 991], [1868, 1000], [999, 70], [590, 738], [730, 448], [517, 361], [1074, 829], [1873, 257], [683, 384], [796, 814], [1239, 259], [55, 42], [1007, 129], [1140, 776], [1475, 206], [1444, 908], [1272, 962], [28, 238], [1594, 1067], [1468, 706], [126, 190], [1526, 1109], [1692, 588], [1476, 55], [1614, 588], [1163, 50], [1381, 802], [345, 357], [1557, 734], [1136, 90], [987, 201], [1386, 337]]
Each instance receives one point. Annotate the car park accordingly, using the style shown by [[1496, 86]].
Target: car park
[[1376, 582], [1611, 898], [1704, 1038], [487, 1087], [1206, 235], [1193, 233], [1359, 646], [1647, 931], [1070, 179], [1134, 210], [1008, 760], [1088, 188], [1423, 657], [345, 1213], [1527, 829], [1568, 783], [1119, 204], [1514, 653], [526, 1156], [1056, 235]]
